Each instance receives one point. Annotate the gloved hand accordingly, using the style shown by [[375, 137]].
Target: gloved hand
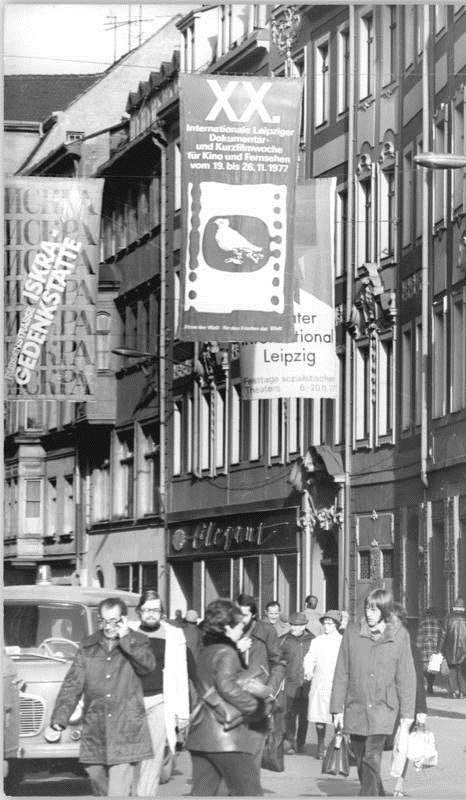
[[255, 687]]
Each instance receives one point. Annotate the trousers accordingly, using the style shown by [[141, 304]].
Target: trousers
[[238, 770], [115, 781], [368, 751], [457, 678], [296, 710], [150, 768]]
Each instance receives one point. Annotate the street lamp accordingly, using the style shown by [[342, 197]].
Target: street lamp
[[146, 359], [440, 161]]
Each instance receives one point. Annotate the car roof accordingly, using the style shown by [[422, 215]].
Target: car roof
[[66, 594]]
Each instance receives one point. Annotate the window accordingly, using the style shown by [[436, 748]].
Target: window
[[205, 430], [419, 28], [103, 340], [51, 508], [406, 378], [458, 353], [33, 498], [322, 83], [440, 17], [226, 12], [341, 232], [220, 432], [137, 576], [255, 410], [148, 479], [295, 417], [188, 49], [459, 149], [73, 136], [315, 427], [419, 190], [340, 402], [327, 416], [176, 302], [387, 214], [387, 563], [440, 175], [409, 34], [362, 392], [177, 436], [124, 496], [343, 70], [101, 491], [131, 326], [144, 324], [275, 427], [364, 221], [236, 426], [364, 565], [439, 360], [68, 505], [393, 40], [177, 156], [418, 372], [408, 199], [366, 56], [385, 387]]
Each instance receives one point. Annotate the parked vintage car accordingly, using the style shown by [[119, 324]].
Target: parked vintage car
[[10, 712], [43, 626]]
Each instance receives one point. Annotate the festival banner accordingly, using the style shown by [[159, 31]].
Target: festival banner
[[239, 145], [52, 230], [309, 366]]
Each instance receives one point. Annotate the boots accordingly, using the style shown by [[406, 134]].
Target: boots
[[320, 728]]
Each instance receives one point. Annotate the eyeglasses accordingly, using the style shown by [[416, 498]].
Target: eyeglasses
[[109, 623], [150, 610]]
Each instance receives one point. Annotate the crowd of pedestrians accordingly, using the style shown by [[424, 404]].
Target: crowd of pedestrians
[[216, 686]]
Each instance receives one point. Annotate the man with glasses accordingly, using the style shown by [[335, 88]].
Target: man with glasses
[[107, 671], [166, 689]]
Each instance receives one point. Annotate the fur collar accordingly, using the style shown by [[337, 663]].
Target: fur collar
[[217, 638], [392, 627]]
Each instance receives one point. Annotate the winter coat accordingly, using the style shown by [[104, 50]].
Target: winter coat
[[427, 637], [421, 700], [220, 665], [314, 625], [114, 728], [319, 667], [293, 650], [452, 639], [374, 679], [265, 652]]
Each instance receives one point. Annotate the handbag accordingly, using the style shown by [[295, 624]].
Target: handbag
[[336, 760], [273, 756], [421, 748]]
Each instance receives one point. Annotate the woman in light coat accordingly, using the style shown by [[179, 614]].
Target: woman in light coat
[[319, 666]]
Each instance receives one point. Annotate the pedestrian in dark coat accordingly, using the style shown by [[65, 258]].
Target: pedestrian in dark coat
[[374, 682], [260, 648], [427, 640], [452, 643], [294, 647], [217, 753], [106, 669]]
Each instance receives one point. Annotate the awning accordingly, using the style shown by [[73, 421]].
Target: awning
[[332, 461]]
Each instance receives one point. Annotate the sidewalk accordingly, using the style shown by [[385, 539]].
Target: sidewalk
[[303, 777]]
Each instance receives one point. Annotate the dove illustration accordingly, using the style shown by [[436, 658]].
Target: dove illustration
[[231, 241]]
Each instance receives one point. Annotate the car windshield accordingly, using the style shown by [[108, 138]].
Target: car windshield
[[44, 629]]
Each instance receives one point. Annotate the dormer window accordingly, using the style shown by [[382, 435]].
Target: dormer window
[[73, 136]]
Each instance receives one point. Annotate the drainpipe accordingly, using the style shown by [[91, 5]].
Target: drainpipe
[[160, 142], [345, 530], [426, 234]]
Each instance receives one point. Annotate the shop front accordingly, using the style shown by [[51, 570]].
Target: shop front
[[257, 553]]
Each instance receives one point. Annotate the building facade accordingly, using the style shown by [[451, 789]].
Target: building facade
[[203, 493]]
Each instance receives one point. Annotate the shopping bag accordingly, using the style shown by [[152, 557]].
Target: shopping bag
[[273, 753], [421, 748], [435, 661], [336, 760], [400, 751], [444, 668]]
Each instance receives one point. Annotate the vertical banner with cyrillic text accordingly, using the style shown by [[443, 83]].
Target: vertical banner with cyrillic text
[[308, 367], [239, 148], [52, 234]]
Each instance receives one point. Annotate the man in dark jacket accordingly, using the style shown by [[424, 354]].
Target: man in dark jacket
[[452, 643], [260, 647], [294, 646], [106, 670]]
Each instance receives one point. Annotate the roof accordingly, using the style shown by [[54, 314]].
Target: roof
[[66, 594], [32, 98]]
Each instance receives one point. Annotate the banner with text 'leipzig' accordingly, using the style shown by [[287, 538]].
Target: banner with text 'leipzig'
[[309, 366], [239, 148], [52, 228]]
